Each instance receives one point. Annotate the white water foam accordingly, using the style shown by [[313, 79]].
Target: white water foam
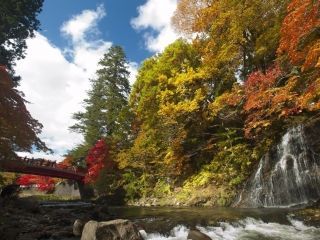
[[179, 232], [287, 175], [246, 229]]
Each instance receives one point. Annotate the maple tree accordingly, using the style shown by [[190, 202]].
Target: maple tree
[[300, 33], [97, 159], [43, 183], [264, 102], [299, 51], [18, 130]]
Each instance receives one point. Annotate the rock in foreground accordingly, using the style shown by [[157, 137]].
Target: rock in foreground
[[77, 227], [197, 235], [119, 229]]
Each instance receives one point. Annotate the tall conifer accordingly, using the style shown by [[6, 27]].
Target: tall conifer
[[106, 108]]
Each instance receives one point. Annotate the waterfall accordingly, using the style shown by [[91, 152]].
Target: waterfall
[[288, 175]]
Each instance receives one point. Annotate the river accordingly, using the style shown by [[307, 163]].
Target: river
[[161, 223]]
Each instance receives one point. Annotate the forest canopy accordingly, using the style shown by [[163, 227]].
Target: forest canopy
[[202, 112]]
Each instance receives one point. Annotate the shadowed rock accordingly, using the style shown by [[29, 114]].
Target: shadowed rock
[[119, 229], [78, 227], [197, 235], [10, 191]]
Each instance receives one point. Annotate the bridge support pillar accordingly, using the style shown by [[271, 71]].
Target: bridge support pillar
[[86, 192]]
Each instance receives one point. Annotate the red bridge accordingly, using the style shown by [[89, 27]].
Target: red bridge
[[41, 167]]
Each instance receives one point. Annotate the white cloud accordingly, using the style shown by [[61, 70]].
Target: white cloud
[[82, 31], [155, 16], [56, 86], [79, 25], [133, 69]]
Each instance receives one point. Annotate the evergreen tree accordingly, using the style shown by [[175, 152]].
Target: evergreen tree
[[106, 109]]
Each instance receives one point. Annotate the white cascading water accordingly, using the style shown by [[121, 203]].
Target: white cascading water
[[245, 229], [286, 176]]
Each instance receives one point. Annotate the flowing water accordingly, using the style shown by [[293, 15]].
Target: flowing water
[[288, 175], [218, 223]]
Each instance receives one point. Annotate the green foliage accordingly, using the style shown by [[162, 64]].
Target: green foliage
[[162, 189], [107, 182], [106, 116], [106, 110], [131, 185], [136, 185]]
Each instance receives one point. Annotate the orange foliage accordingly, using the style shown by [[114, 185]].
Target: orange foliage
[[300, 33], [310, 100], [66, 163], [272, 98], [266, 103]]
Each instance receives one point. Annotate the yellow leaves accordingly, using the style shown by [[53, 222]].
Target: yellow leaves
[[175, 110], [169, 157], [182, 95], [232, 33], [310, 100], [227, 101], [313, 57]]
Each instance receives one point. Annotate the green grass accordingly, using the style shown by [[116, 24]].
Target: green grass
[[51, 197]]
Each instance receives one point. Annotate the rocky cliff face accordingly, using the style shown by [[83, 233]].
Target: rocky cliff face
[[289, 174]]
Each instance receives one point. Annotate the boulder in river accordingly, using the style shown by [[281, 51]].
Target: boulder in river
[[119, 229], [197, 235], [10, 191], [78, 227]]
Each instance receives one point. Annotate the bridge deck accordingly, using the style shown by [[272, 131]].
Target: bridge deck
[[20, 166]]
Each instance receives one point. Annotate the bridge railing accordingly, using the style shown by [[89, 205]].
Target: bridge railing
[[39, 162], [41, 167]]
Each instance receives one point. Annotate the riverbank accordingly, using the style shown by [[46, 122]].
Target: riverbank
[[189, 195], [26, 219]]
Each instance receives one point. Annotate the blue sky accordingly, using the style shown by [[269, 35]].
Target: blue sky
[[63, 56], [114, 26]]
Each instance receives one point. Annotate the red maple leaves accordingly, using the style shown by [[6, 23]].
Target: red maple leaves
[[97, 159], [42, 183]]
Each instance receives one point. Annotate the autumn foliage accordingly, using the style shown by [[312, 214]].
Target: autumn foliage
[[97, 159], [43, 183], [204, 112], [18, 130], [300, 33]]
